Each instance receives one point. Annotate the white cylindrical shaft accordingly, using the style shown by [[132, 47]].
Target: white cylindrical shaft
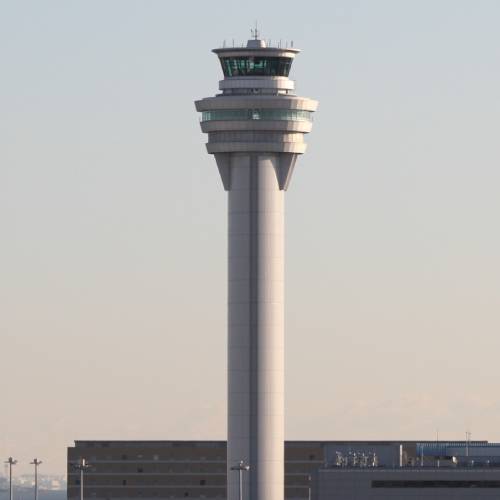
[[256, 327]]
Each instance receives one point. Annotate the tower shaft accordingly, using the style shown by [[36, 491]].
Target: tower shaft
[[256, 325]]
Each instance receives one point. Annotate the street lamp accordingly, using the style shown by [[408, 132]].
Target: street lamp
[[36, 463], [82, 466], [240, 467], [11, 462]]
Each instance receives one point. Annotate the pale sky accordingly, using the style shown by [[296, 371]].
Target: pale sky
[[113, 221]]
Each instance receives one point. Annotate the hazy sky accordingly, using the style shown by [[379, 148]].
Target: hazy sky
[[113, 221]]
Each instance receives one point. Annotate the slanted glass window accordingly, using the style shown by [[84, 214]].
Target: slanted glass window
[[256, 66], [257, 114]]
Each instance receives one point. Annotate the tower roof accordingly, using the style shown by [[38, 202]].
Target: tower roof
[[256, 47]]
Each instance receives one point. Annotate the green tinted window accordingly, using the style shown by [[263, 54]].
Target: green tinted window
[[256, 66], [257, 114]]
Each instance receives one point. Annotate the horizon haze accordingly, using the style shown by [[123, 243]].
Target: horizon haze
[[113, 254]]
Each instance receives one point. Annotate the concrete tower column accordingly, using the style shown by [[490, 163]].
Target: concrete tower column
[[256, 130], [256, 325]]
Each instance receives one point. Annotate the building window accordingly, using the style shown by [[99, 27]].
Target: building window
[[256, 66], [140, 469], [257, 114], [124, 457], [77, 482], [203, 482], [186, 493], [312, 457], [124, 482]]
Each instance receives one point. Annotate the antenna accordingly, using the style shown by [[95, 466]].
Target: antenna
[[255, 32], [437, 446]]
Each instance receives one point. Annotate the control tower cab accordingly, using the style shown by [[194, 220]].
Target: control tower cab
[[257, 110]]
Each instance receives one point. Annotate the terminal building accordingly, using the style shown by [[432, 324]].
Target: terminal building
[[316, 470]]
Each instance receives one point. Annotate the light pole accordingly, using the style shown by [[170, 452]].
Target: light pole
[[36, 463], [82, 466], [11, 462], [240, 467]]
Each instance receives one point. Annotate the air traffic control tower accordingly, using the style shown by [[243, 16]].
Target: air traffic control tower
[[256, 129]]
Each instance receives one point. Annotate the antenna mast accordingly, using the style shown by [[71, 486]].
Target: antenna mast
[[255, 31]]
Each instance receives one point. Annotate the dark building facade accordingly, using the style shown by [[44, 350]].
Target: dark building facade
[[175, 469], [197, 469]]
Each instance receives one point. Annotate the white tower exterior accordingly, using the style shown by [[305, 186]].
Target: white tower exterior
[[256, 130]]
